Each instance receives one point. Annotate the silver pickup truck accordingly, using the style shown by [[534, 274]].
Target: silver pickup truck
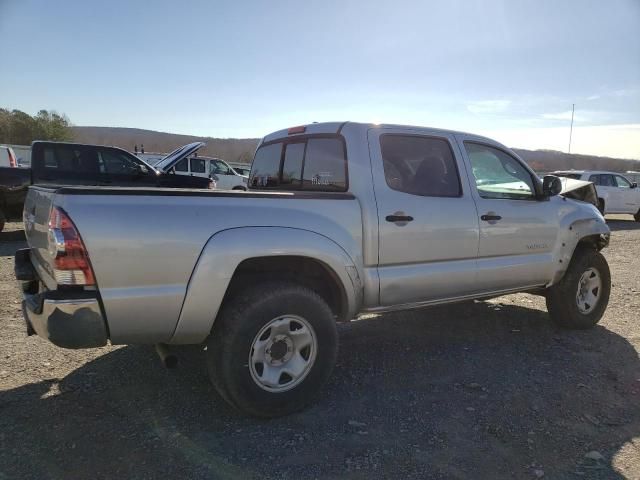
[[341, 219]]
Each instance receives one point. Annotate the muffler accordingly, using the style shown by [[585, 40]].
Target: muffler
[[167, 357]]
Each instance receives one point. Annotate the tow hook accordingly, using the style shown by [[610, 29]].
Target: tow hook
[[167, 357]]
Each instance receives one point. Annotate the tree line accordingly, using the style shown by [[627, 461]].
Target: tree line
[[20, 128]]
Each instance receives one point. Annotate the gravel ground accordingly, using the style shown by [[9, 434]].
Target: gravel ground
[[483, 390]]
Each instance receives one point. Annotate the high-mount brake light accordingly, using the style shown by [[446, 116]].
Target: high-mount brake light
[[294, 130], [70, 260]]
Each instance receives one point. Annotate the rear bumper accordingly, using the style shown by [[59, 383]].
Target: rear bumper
[[69, 320]]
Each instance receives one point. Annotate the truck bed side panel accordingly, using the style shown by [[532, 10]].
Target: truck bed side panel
[[143, 248]]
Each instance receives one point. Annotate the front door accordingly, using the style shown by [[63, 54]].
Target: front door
[[517, 230], [428, 227], [226, 178], [628, 196]]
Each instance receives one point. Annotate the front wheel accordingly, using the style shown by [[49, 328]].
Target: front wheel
[[579, 300], [637, 216], [272, 349]]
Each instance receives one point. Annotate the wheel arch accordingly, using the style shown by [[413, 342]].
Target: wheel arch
[[235, 256], [580, 233]]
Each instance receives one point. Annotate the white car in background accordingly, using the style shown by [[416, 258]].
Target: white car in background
[[616, 193], [215, 168]]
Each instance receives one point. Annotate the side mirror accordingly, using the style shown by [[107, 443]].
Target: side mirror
[[634, 185], [551, 185]]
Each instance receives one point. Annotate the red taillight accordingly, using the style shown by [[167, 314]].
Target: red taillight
[[294, 130], [12, 159], [70, 260]]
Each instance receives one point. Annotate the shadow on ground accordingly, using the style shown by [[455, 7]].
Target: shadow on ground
[[468, 391], [617, 224]]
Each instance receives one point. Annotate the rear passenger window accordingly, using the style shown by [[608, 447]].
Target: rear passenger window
[[198, 165], [324, 165], [607, 180], [418, 165], [292, 167], [266, 166], [182, 166], [595, 179], [71, 158], [317, 164]]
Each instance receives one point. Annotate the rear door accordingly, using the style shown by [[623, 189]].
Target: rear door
[[428, 226], [67, 164], [607, 190], [517, 231]]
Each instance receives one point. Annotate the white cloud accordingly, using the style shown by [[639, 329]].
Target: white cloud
[[488, 106], [593, 97]]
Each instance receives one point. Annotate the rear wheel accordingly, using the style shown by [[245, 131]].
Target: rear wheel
[[2, 220], [601, 205], [579, 300], [637, 216], [272, 349]]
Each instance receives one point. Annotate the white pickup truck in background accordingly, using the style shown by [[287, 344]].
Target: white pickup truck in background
[[616, 193]]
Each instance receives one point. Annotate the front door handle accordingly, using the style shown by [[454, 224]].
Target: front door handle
[[490, 217], [398, 218]]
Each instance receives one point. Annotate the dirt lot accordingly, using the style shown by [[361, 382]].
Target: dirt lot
[[481, 390]]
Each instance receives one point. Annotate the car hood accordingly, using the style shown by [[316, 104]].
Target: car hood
[[178, 154], [579, 190]]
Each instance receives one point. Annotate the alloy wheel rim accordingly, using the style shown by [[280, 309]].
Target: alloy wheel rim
[[282, 353]]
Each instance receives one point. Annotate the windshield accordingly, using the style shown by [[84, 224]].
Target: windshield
[[575, 176]]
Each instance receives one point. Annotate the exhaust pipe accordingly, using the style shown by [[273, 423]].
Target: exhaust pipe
[[168, 359]]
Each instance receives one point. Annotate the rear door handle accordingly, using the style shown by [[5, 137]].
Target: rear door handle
[[398, 218], [490, 217]]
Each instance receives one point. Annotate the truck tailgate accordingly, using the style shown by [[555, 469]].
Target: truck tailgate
[[37, 208]]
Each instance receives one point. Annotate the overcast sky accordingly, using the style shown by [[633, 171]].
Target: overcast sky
[[509, 69]]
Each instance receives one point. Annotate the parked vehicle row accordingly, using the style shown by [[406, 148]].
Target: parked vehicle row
[[341, 219], [206, 167], [60, 163], [616, 193]]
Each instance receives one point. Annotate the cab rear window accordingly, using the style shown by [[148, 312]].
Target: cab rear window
[[314, 163]]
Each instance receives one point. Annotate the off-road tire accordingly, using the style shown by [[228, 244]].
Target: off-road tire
[[562, 297], [637, 215], [240, 320], [601, 206], [3, 219]]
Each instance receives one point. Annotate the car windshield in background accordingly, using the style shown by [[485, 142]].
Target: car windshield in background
[[242, 171], [575, 176], [316, 164]]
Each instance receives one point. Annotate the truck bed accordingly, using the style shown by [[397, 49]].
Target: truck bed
[[145, 242]]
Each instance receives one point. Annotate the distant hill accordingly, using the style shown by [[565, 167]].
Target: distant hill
[[550, 160], [230, 149], [242, 149]]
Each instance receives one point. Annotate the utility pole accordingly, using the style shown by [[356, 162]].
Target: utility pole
[[573, 107]]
